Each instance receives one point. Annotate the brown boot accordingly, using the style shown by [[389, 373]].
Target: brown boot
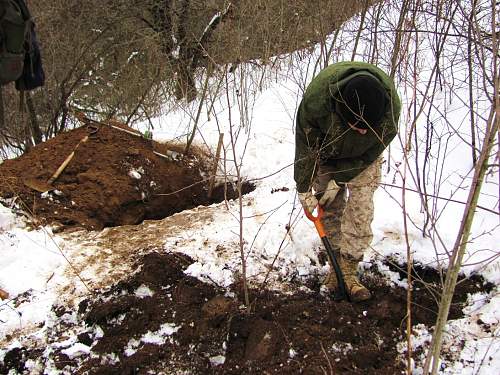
[[330, 281], [357, 291]]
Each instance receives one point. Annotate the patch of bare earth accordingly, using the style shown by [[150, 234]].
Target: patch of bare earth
[[116, 177], [208, 331]]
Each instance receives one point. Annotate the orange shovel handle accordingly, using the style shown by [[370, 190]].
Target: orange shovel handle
[[317, 220], [341, 294]]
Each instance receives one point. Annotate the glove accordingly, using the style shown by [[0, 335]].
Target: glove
[[330, 193], [308, 201]]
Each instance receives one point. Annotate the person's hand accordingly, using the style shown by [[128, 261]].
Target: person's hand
[[330, 193], [308, 201]]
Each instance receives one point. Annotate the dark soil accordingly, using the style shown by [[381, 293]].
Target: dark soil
[[96, 189], [303, 332]]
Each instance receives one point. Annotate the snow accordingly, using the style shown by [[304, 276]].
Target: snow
[[29, 261], [217, 272], [144, 291], [135, 174], [475, 352], [274, 233], [217, 360], [77, 350], [159, 337]]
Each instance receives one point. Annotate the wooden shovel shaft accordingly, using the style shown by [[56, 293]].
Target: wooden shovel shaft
[[66, 161]]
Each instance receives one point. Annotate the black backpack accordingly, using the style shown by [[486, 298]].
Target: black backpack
[[33, 75], [20, 59]]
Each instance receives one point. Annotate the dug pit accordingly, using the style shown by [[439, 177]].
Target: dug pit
[[117, 177]]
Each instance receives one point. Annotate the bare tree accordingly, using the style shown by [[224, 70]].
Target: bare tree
[[128, 59]]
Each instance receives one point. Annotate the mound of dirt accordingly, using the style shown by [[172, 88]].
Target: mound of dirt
[[162, 321], [115, 178]]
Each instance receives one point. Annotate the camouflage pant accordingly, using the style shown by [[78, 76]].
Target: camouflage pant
[[348, 219]]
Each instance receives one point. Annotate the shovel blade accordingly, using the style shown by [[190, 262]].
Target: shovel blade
[[38, 185]]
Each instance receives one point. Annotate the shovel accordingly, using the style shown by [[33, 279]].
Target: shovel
[[44, 186], [341, 293]]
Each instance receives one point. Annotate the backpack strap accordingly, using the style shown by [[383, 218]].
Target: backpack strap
[[2, 110], [24, 9], [21, 102]]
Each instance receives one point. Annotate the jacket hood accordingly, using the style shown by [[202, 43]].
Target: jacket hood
[[360, 95]]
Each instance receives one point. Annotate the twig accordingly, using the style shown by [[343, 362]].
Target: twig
[[198, 113], [409, 263], [438, 197], [463, 235], [327, 358], [240, 200], [216, 164], [51, 237], [273, 211]]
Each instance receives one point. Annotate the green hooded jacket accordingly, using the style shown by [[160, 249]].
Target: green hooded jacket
[[322, 137]]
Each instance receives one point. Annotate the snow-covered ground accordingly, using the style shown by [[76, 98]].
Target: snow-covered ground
[[38, 262]]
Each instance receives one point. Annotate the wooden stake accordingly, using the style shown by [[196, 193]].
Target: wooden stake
[[216, 164]]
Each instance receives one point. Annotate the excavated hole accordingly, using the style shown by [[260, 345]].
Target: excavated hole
[[160, 207], [115, 178]]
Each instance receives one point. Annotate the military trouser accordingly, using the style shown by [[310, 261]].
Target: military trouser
[[347, 220]]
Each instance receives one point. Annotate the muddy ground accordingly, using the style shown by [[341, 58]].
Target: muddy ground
[[202, 329], [162, 321], [114, 178]]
